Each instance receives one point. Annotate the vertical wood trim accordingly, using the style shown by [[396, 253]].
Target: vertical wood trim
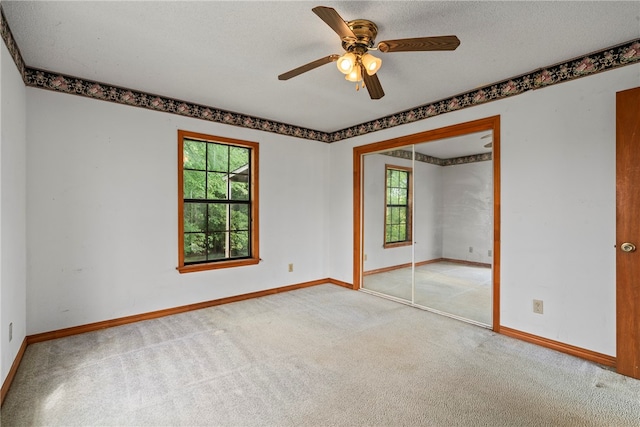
[[358, 220], [180, 207], [496, 222], [628, 230], [490, 123]]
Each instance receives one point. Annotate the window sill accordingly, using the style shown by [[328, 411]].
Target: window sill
[[192, 268], [396, 245]]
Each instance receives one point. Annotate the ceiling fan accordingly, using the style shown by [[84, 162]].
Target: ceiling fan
[[358, 37]]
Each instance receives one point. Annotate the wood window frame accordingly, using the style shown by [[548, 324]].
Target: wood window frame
[[409, 239], [254, 257]]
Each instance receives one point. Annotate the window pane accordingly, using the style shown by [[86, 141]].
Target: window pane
[[193, 154], [194, 182], [239, 243], [403, 179], [395, 178], [216, 246], [239, 158], [194, 247], [239, 217], [402, 233], [402, 216], [216, 186], [394, 233], [195, 217], [402, 197], [395, 196], [217, 217], [394, 216], [218, 158], [240, 191]]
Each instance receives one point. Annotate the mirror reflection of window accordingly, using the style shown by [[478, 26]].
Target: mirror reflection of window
[[397, 224]]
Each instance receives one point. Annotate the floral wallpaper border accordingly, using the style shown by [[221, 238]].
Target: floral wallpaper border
[[405, 154], [91, 89], [607, 59], [596, 62], [11, 44]]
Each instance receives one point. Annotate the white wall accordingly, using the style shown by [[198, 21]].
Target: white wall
[[467, 217], [102, 212], [558, 205], [12, 211]]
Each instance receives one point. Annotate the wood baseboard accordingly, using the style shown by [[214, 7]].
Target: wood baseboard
[[75, 330], [340, 283], [582, 353], [12, 372], [463, 262], [399, 266]]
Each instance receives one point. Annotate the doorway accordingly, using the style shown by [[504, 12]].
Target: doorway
[[426, 220]]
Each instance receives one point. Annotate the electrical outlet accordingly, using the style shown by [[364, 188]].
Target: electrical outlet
[[290, 268], [470, 249], [10, 331], [365, 257], [538, 306], [490, 252]]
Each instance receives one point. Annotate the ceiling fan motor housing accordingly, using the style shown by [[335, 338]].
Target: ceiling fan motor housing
[[365, 31]]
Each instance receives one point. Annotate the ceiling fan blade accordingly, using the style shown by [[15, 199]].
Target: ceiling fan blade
[[308, 67], [333, 19], [419, 44], [373, 85]]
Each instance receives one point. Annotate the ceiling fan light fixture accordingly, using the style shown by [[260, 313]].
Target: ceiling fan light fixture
[[346, 63], [371, 63], [355, 75]]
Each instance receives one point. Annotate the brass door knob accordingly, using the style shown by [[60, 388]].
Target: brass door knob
[[628, 247]]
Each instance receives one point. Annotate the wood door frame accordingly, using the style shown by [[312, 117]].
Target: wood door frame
[[486, 124]]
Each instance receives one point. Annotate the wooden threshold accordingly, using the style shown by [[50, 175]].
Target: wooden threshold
[[12, 372], [582, 353]]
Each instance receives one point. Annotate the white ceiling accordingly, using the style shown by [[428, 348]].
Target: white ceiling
[[228, 55]]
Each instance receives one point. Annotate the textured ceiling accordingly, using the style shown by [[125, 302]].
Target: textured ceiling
[[228, 55]]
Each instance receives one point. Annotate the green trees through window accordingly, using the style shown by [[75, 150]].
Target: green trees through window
[[218, 205], [397, 228]]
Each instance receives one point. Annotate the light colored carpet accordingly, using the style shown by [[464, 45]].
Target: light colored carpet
[[319, 356], [453, 288]]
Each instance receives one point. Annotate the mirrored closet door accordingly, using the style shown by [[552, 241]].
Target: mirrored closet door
[[428, 225]]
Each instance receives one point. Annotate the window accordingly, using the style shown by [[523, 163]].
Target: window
[[218, 202], [397, 217]]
